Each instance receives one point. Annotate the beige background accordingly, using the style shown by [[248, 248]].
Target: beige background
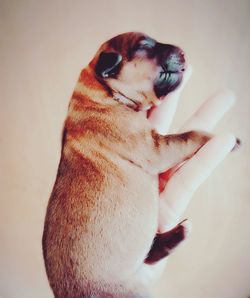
[[44, 44]]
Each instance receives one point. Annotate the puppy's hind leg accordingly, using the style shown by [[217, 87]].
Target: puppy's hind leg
[[164, 243]]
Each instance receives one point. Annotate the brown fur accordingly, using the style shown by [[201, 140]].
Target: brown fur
[[102, 214]]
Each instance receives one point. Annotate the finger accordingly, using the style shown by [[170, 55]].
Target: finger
[[180, 188], [211, 111], [205, 118], [162, 116]]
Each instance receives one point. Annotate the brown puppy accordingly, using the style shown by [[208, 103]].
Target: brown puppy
[[101, 219]]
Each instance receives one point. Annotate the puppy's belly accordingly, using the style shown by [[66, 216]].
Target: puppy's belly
[[106, 233], [122, 225]]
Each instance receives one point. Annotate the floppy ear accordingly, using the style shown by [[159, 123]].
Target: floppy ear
[[108, 64]]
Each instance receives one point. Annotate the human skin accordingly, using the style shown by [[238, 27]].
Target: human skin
[[178, 184]]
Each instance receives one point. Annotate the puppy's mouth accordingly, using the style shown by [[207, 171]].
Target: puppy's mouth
[[167, 82], [170, 74]]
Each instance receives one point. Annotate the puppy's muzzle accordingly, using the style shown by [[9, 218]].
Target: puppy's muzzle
[[172, 66]]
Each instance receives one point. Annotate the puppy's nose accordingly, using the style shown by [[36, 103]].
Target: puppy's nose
[[175, 61], [170, 57]]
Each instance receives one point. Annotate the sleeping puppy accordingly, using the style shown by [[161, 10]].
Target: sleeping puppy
[[101, 221]]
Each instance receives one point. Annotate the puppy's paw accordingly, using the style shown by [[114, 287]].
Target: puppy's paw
[[164, 243]]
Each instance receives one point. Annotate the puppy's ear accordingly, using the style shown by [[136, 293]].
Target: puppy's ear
[[108, 65]]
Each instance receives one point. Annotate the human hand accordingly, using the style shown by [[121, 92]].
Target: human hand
[[178, 187]]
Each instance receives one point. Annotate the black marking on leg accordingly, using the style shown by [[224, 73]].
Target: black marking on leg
[[164, 243]]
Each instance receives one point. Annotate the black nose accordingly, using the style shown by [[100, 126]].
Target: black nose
[[175, 61], [171, 59]]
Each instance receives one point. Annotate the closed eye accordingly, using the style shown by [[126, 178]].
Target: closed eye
[[144, 48], [146, 44]]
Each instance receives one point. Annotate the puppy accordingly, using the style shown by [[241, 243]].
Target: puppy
[[101, 220]]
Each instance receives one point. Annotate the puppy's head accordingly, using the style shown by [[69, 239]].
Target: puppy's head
[[137, 70]]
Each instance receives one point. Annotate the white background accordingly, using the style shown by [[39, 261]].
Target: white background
[[44, 45]]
